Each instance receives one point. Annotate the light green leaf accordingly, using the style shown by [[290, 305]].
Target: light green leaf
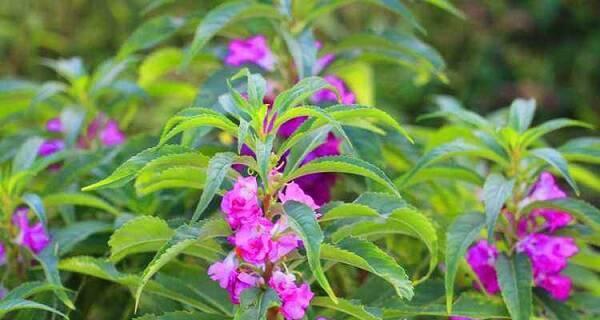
[[450, 108], [344, 164], [349, 307], [496, 190], [26, 154], [367, 256], [139, 235], [349, 210], [303, 221], [579, 208], [46, 91], [9, 305], [80, 199], [584, 149], [556, 160], [28, 289], [521, 114], [218, 166], [461, 234], [151, 33], [202, 119], [515, 280], [301, 91], [174, 177], [128, 170], [533, 134]]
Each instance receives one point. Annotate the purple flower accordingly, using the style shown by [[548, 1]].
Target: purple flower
[[327, 95], [284, 241], [240, 204], [318, 186], [548, 254], [482, 259], [2, 254], [253, 241], [557, 285], [229, 276], [51, 146], [253, 50], [294, 299], [293, 192], [323, 61], [33, 237], [545, 188], [54, 125], [106, 130], [289, 127]]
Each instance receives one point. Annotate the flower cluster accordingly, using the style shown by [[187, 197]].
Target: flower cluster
[[548, 253], [34, 237], [260, 243], [101, 128], [255, 50]]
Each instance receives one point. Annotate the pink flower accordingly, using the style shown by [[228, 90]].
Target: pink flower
[[293, 192], [51, 146], [33, 237], [548, 254], [327, 95], [253, 241], [482, 259], [231, 278], [240, 204], [250, 50], [545, 188], [54, 125], [2, 254], [106, 130], [557, 285], [323, 61], [284, 241], [294, 299]]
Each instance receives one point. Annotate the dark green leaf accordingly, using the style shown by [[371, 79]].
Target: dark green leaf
[[496, 190], [556, 160], [218, 166], [515, 279]]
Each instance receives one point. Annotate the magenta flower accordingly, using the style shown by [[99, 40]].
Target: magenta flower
[[294, 299], [284, 241], [327, 95], [54, 125], [557, 285], [51, 146], [545, 188], [106, 130], [253, 50], [2, 254], [548, 254], [33, 237], [240, 204], [229, 276], [253, 241], [293, 192], [482, 259]]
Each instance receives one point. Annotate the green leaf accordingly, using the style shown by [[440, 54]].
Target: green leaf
[[184, 237], [344, 164], [367, 256], [349, 307], [349, 210], [556, 160], [451, 109], [304, 146], [301, 91], [303, 221], [128, 170], [584, 149], [496, 190], [448, 6], [579, 208], [263, 158], [139, 235], [9, 305], [174, 177], [218, 166], [107, 73], [255, 302], [515, 280], [449, 172], [34, 202], [521, 114], [221, 16], [467, 305], [560, 311], [461, 234], [80, 199], [151, 33], [533, 134], [26, 154], [194, 118], [49, 262], [46, 91], [28, 289], [69, 236]]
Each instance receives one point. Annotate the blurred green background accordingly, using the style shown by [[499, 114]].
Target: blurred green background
[[546, 49]]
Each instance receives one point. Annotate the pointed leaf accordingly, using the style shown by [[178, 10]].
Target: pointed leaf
[[556, 160], [496, 190], [515, 280], [218, 166]]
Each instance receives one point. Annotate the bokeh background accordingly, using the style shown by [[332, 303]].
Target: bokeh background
[[546, 49]]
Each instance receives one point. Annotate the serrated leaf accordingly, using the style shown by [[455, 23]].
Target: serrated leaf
[[349, 307], [221, 16], [9, 305], [349, 210], [367, 256], [255, 302], [184, 237], [496, 191], [151, 33], [137, 235], [344, 164], [175, 177], [204, 119], [80, 199], [301, 91], [556, 160], [461, 234], [128, 170], [515, 280], [218, 166], [303, 221]]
